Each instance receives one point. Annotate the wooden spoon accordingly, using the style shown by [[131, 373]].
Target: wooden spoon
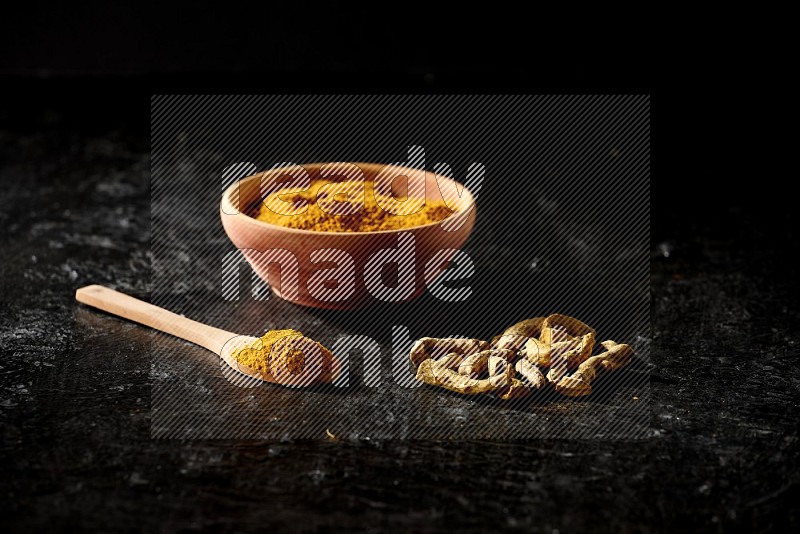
[[218, 341]]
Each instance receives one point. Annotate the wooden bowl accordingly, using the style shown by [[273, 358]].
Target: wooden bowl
[[240, 203]]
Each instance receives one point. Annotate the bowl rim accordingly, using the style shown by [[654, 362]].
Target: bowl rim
[[226, 203]]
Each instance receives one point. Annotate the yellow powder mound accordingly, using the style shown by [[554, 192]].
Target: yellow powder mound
[[277, 349], [369, 217]]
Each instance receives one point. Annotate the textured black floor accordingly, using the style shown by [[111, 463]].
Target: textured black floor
[[75, 446]]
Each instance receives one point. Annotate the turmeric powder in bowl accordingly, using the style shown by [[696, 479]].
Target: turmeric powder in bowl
[[355, 206], [293, 223]]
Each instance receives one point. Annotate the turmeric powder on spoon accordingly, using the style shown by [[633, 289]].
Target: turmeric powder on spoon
[[284, 354]]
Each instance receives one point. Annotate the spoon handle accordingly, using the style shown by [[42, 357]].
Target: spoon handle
[[122, 305]]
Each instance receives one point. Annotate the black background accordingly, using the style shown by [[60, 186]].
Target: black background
[[76, 450]]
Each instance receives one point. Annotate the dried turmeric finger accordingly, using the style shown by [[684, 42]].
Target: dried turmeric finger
[[536, 352], [557, 327], [500, 370], [574, 326], [517, 389], [608, 344], [475, 364], [564, 343], [517, 334], [569, 356], [555, 334], [452, 361], [618, 355], [531, 379], [433, 373], [578, 355], [580, 382], [531, 374], [571, 353], [430, 347]]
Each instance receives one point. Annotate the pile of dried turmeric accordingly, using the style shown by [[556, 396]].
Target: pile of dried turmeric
[[284, 353], [512, 364], [353, 206]]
